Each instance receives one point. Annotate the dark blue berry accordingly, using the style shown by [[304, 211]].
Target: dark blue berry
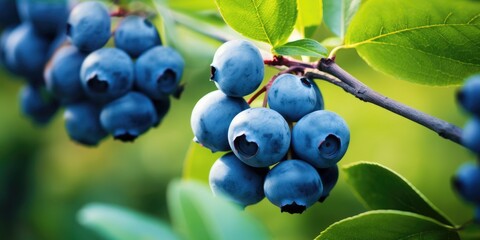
[[82, 123], [469, 95], [293, 185], [159, 71], [471, 135], [129, 116], [329, 178], [162, 106], [211, 118], [37, 105], [292, 96], [136, 35], [467, 182], [47, 17], [26, 51], [8, 13], [237, 181], [321, 138], [107, 74], [62, 76], [260, 137], [237, 68], [88, 26]]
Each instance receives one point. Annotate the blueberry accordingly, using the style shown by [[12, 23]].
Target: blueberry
[[8, 13], [135, 35], [329, 177], [59, 41], [128, 117], [26, 51], [48, 17], [211, 118], [293, 185], [159, 71], [62, 75], [469, 95], [162, 106], [107, 74], [82, 122], [3, 42], [321, 138], [292, 96], [259, 137], [320, 104], [471, 135], [237, 68], [88, 26], [467, 182], [237, 181], [37, 104]]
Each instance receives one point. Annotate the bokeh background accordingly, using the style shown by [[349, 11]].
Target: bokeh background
[[45, 178]]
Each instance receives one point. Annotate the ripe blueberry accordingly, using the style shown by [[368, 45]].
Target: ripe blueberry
[[471, 135], [107, 74], [88, 26], [135, 35], [37, 104], [211, 118], [467, 182], [292, 96], [162, 106], [47, 17], [159, 71], [82, 123], [321, 138], [293, 185], [259, 137], [469, 95], [329, 178], [129, 116], [26, 51], [8, 13], [62, 75], [239, 182], [237, 68], [320, 104]]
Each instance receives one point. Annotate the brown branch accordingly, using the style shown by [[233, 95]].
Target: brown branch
[[353, 86]]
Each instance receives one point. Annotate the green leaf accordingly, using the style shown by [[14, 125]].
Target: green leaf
[[302, 47], [386, 225], [197, 214], [470, 231], [117, 223], [309, 16], [269, 21], [338, 14], [198, 162], [165, 23], [191, 6], [380, 188], [432, 42]]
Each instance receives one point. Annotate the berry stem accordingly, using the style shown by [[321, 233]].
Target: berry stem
[[353, 86]]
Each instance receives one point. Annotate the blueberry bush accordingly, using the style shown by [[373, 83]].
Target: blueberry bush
[[268, 91]]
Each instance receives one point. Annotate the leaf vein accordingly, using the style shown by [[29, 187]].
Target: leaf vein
[[372, 39], [416, 49], [261, 20]]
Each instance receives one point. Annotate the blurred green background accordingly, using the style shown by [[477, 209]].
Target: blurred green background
[[45, 178]]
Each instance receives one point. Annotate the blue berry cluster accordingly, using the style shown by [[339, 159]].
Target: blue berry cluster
[[467, 178], [287, 153], [62, 52]]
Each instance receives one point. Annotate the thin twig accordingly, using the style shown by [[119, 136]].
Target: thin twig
[[364, 93]]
